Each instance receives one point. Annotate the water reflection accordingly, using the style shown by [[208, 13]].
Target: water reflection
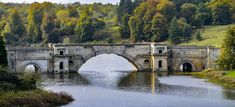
[[139, 81], [63, 79], [142, 82]]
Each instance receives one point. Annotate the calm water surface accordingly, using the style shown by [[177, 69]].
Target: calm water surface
[[106, 87]]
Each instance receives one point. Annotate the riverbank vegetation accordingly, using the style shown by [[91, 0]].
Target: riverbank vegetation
[[21, 90], [224, 74], [129, 21], [224, 78]]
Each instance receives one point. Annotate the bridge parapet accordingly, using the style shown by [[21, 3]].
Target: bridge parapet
[[145, 57]]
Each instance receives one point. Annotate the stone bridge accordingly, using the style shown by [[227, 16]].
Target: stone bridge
[[145, 57]]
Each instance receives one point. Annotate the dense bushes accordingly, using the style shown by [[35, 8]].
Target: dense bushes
[[10, 81]]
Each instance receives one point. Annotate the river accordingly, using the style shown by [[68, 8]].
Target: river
[[108, 81]]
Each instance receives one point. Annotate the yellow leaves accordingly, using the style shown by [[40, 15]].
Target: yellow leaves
[[62, 14]]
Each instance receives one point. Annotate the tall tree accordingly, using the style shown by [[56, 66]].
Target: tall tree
[[3, 53], [167, 9], [159, 28], [124, 11], [188, 11], [84, 28], [16, 22], [221, 13], [35, 16], [198, 35], [7, 34], [174, 32], [187, 31], [136, 23], [125, 30], [226, 60], [125, 7], [203, 15], [46, 27]]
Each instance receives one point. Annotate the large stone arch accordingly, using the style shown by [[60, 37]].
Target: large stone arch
[[84, 60], [92, 51]]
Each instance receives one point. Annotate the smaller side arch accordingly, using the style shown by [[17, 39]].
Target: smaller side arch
[[37, 67], [187, 66]]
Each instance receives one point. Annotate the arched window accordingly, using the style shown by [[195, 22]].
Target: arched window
[[12, 64], [146, 61], [61, 52], [61, 65], [160, 51], [160, 64]]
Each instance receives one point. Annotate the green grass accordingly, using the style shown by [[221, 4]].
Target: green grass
[[212, 36], [231, 74]]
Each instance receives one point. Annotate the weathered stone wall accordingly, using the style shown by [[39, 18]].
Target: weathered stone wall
[[196, 55], [19, 58]]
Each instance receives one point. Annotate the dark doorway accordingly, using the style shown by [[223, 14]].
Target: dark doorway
[[61, 52], [61, 65], [160, 64], [187, 67], [160, 51]]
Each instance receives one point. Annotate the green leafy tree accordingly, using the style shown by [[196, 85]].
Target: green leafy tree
[[174, 32], [203, 15], [16, 22], [188, 11], [46, 27], [3, 53], [187, 32], [7, 34], [125, 30], [159, 28], [35, 17], [84, 28], [226, 60], [167, 9], [125, 7], [135, 29], [221, 13], [198, 35]]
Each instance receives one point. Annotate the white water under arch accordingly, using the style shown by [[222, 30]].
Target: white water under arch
[[107, 69]]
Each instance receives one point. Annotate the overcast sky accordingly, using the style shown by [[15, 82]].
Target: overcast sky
[[62, 1]]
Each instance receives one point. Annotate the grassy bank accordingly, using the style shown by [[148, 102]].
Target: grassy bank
[[33, 98], [224, 78], [21, 90], [212, 35]]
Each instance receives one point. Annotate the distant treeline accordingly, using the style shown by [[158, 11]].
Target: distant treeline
[[138, 20]]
